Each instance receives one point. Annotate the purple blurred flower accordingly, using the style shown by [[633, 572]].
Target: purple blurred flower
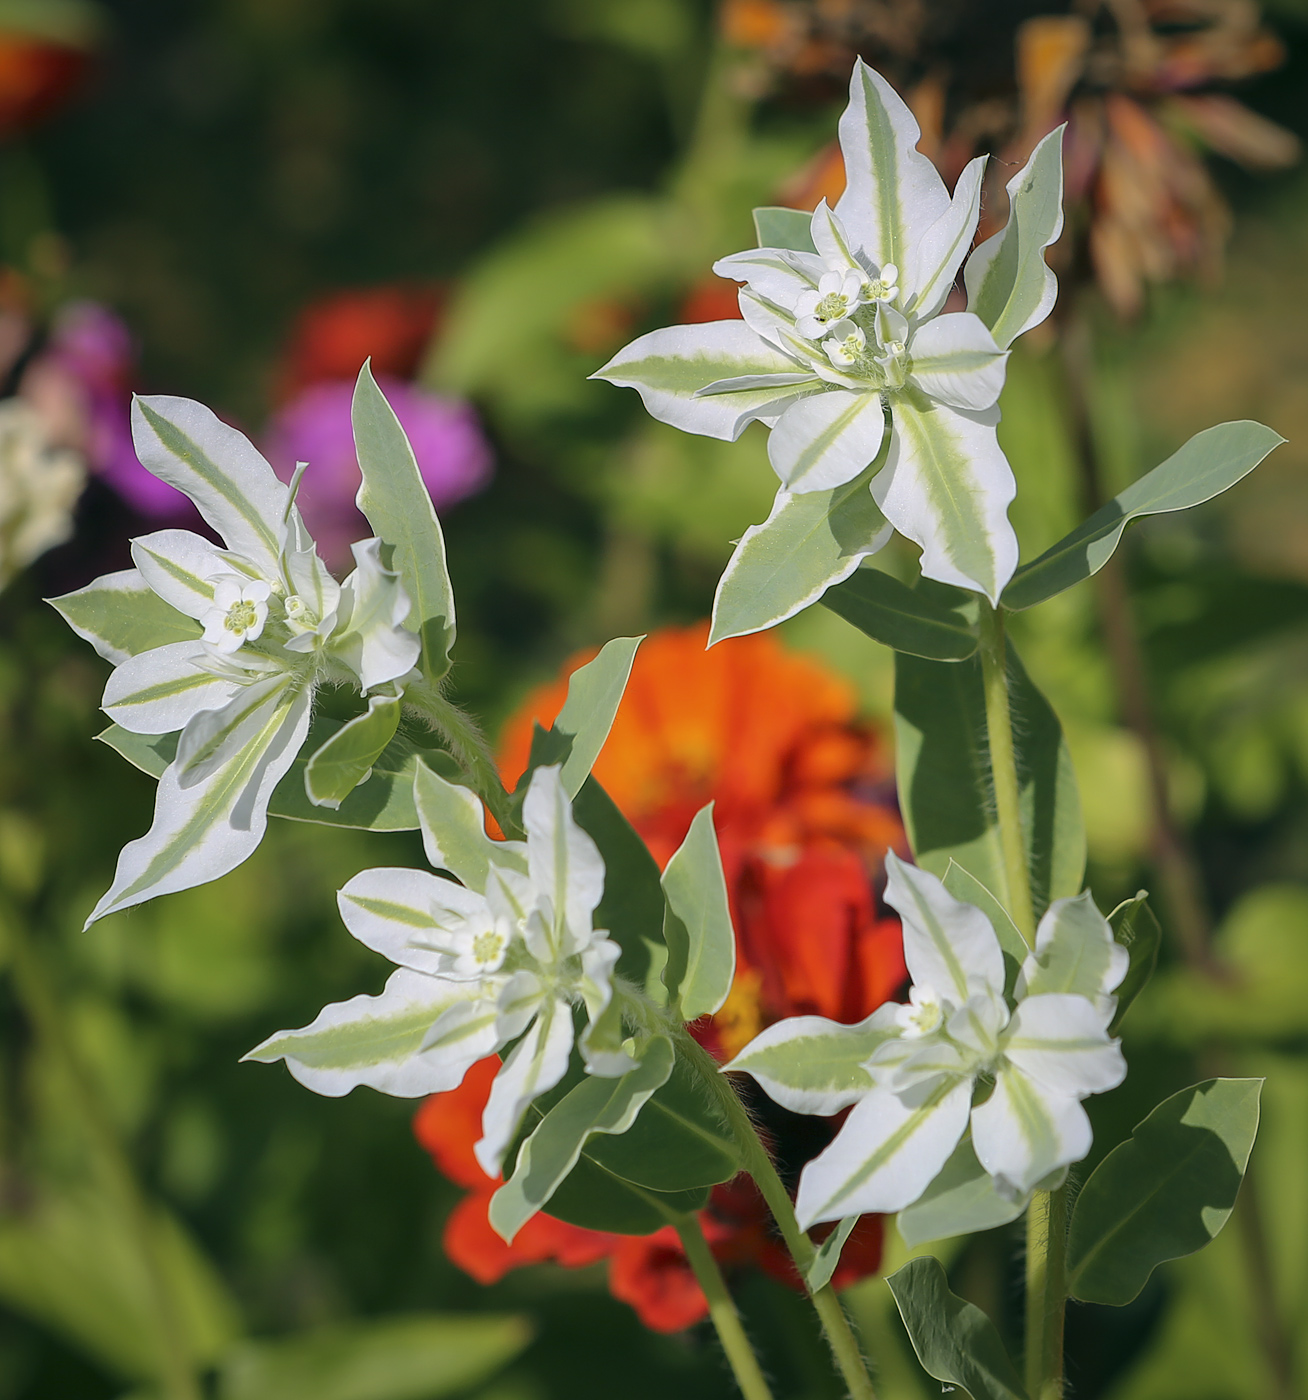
[[453, 455]]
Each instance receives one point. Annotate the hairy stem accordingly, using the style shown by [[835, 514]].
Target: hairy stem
[[1046, 1293], [176, 1368], [1003, 771], [740, 1354]]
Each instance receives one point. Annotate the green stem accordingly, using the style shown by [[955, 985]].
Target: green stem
[[740, 1355], [1003, 771], [835, 1325], [1046, 1293], [177, 1373]]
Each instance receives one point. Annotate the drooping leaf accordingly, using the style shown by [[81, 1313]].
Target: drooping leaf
[[827, 1259], [1164, 1193], [955, 1341], [1136, 929], [900, 617], [418, 1357], [1210, 463], [346, 759], [697, 925], [784, 228], [960, 1201], [596, 1105], [399, 509], [121, 616], [945, 790]]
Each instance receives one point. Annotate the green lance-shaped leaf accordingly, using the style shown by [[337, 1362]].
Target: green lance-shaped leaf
[[697, 926], [397, 505], [784, 228], [424, 1356], [827, 1259], [121, 616], [594, 693], [336, 768], [960, 1201], [1163, 1194], [596, 1105], [1136, 929], [805, 545], [1210, 463], [454, 835], [955, 1341], [1008, 284], [900, 617], [943, 771]]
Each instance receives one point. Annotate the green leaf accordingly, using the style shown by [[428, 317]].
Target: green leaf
[[697, 924], [594, 694], [1136, 929], [421, 1357], [1163, 1194], [955, 1341], [805, 545], [784, 228], [965, 886], [900, 617], [121, 616], [454, 830], [397, 505], [1210, 463], [596, 1105], [827, 1257], [943, 772], [346, 759], [597, 1199], [960, 1201]]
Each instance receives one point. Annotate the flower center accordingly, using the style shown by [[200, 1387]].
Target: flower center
[[833, 307], [241, 617], [922, 1014], [486, 947]]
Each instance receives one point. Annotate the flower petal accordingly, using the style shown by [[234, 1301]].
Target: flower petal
[[834, 246], [935, 261], [956, 360], [160, 690], [1024, 1132], [534, 1066], [887, 1153], [1075, 952], [415, 919], [947, 486], [1061, 1042], [564, 863], [181, 566], [824, 440]]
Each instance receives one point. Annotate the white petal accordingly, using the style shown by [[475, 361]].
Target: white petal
[[372, 638], [834, 248], [888, 1152], [947, 486], [823, 441], [1024, 1132], [1062, 1042], [936, 259], [534, 1066], [180, 567], [413, 918], [949, 946], [1076, 952], [775, 273], [158, 691], [956, 360], [564, 863]]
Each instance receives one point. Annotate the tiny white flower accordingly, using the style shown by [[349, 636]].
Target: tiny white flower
[[886, 286], [240, 609], [837, 297], [920, 1015], [846, 344]]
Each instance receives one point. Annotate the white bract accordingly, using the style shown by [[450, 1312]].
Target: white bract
[[916, 1074], [226, 646], [846, 353], [504, 956]]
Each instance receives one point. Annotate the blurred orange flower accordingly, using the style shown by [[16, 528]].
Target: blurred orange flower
[[805, 812]]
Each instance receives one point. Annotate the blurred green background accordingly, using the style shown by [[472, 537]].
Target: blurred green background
[[565, 171]]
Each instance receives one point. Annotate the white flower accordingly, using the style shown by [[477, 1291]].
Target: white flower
[[238, 612], [837, 296], [480, 967], [913, 1071]]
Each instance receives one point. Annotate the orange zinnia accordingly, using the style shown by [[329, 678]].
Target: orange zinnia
[[805, 812]]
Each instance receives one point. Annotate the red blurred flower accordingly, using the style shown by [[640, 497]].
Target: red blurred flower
[[805, 813]]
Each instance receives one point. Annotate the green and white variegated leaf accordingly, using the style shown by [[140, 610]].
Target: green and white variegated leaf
[[373, 638], [204, 829], [936, 259], [212, 737], [893, 194], [121, 615], [775, 273], [534, 1066], [595, 691], [962, 884], [413, 918], [947, 486], [233, 487], [607, 1106], [956, 361], [887, 1152], [1008, 284], [697, 926], [960, 1201], [811, 1065], [399, 509], [827, 1258], [1075, 952], [346, 759], [777, 227], [419, 1036], [670, 368], [161, 690], [805, 545], [179, 566], [454, 831], [824, 440]]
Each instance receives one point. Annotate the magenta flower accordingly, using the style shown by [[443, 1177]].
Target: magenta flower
[[314, 427]]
